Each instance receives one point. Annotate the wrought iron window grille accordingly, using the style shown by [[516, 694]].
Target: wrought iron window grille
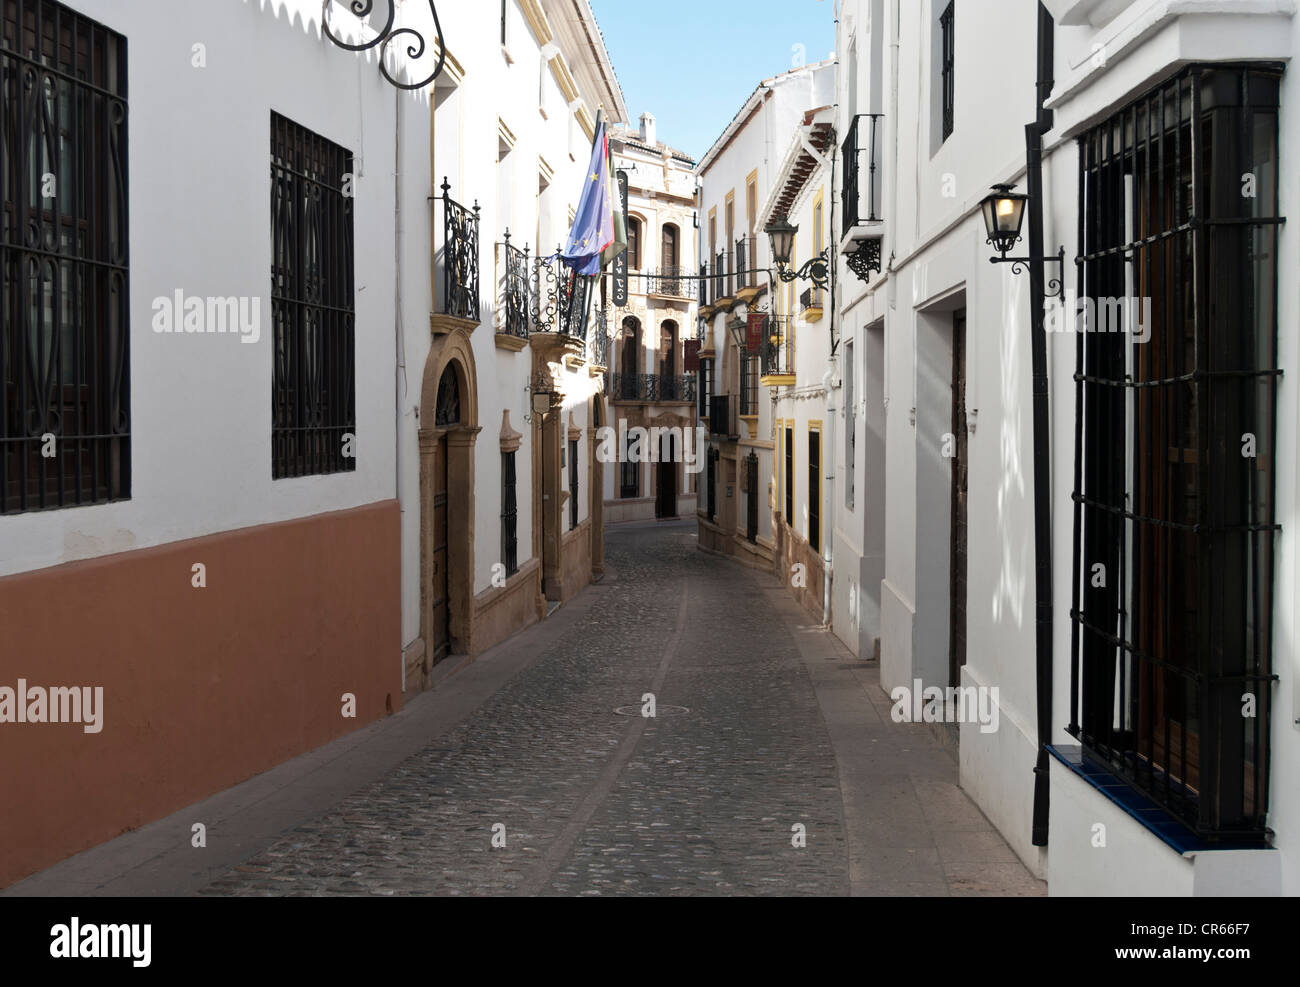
[[313, 398], [1174, 525], [65, 429], [516, 289]]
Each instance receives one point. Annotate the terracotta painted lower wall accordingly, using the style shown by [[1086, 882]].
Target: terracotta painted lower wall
[[203, 688]]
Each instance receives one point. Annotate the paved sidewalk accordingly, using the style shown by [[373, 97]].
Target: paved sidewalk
[[764, 723]]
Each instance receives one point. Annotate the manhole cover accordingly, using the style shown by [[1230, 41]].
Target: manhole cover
[[635, 710]]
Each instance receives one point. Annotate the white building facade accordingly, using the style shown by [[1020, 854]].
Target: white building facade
[[250, 392], [1163, 701]]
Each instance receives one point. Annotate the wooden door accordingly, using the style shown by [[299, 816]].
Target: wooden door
[[438, 589]]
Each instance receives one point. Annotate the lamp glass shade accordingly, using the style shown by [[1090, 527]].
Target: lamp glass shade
[[782, 235], [1004, 213]]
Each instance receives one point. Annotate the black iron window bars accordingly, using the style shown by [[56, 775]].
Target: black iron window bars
[[459, 257], [313, 397], [1174, 524], [509, 515], [947, 65], [64, 326]]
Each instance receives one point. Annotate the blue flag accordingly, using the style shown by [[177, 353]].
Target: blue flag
[[593, 224]]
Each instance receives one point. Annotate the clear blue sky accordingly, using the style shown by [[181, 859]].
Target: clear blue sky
[[693, 63]]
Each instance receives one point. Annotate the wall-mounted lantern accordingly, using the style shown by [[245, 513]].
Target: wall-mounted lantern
[[781, 233], [1004, 215]]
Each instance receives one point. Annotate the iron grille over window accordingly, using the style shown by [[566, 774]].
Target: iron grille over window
[[573, 484], [862, 136], [751, 497], [509, 515], [814, 490], [748, 383], [1175, 418], [789, 477], [629, 475], [313, 398], [64, 326], [460, 227], [711, 491], [947, 52]]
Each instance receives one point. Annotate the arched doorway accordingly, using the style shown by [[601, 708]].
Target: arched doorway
[[449, 429]]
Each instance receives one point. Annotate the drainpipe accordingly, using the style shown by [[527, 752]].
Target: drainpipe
[[1042, 425]]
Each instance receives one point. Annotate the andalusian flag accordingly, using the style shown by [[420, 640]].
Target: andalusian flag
[[598, 234]]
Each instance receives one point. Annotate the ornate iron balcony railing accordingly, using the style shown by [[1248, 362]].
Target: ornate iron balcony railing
[[560, 297], [516, 289], [863, 135], [598, 339], [677, 282], [778, 347], [653, 387], [459, 257]]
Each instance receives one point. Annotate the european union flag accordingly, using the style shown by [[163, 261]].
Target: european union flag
[[593, 224]]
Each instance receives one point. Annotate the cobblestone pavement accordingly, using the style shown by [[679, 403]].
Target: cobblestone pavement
[[704, 798]]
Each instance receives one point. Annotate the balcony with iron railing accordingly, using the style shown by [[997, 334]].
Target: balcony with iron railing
[[746, 256], [460, 262], [671, 282], [777, 353], [515, 283], [860, 198], [561, 298], [653, 387], [723, 277], [598, 339]]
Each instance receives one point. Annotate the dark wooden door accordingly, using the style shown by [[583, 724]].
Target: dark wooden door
[[960, 475], [666, 500], [751, 500], [441, 643]]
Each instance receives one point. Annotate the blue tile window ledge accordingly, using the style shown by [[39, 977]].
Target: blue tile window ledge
[[1155, 818]]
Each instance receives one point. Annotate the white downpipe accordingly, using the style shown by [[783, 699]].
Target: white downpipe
[[828, 489]]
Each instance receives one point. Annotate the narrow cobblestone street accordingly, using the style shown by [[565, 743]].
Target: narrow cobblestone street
[[764, 723]]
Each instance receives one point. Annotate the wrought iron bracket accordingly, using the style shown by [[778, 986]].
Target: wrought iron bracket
[[816, 270], [864, 259], [1054, 286], [387, 35]]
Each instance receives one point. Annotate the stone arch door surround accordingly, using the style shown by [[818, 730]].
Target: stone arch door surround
[[451, 350]]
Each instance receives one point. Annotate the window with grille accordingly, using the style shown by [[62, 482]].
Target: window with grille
[[509, 515], [748, 383], [629, 478], [706, 386], [573, 484], [850, 424], [814, 489], [64, 324], [947, 49], [313, 397], [789, 477], [1175, 420]]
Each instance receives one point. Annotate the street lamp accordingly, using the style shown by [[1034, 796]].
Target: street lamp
[[1004, 214], [781, 233]]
